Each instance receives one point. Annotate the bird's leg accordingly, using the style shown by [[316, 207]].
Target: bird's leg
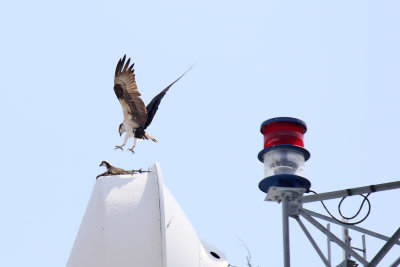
[[148, 136], [103, 174], [134, 144], [121, 146]]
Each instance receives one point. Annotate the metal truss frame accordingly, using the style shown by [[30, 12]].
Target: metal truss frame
[[292, 206]]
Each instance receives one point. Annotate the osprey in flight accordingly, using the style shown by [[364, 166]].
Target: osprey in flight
[[137, 116]]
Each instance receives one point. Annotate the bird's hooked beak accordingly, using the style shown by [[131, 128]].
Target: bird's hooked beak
[[120, 134]]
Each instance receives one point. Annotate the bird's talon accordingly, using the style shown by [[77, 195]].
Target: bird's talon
[[131, 150], [118, 147]]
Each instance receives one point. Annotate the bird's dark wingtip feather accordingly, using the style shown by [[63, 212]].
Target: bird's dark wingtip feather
[[126, 65], [122, 62], [152, 107], [117, 67], [169, 86], [130, 69], [120, 65]]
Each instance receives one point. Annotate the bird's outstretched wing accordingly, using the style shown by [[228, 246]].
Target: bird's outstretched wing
[[128, 94], [152, 107]]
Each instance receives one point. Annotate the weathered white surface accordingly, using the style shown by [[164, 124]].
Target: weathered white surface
[[135, 221], [184, 247], [121, 226]]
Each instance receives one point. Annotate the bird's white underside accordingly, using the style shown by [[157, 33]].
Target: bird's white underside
[[129, 124]]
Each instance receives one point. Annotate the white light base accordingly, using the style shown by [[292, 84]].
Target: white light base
[[275, 194]]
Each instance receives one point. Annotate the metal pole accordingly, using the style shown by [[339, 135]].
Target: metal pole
[[364, 244], [333, 238], [350, 192], [303, 227], [329, 245], [346, 239], [396, 263], [357, 228], [385, 249], [285, 230]]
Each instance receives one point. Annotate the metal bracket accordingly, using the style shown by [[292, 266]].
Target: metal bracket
[[276, 194], [292, 206]]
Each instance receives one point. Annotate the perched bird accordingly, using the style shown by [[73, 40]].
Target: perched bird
[[111, 170], [137, 116]]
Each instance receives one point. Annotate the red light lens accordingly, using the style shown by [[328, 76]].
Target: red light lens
[[283, 133]]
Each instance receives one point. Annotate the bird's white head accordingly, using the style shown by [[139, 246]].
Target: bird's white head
[[121, 129]]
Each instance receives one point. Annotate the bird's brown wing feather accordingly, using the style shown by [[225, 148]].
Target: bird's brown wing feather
[[126, 90], [118, 171]]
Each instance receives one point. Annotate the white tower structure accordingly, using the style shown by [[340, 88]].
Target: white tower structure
[[133, 220]]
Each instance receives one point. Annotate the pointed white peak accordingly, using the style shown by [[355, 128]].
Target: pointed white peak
[[133, 220]]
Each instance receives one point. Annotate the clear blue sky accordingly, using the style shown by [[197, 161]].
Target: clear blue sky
[[333, 64]]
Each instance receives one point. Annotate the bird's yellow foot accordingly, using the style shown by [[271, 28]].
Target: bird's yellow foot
[[118, 147], [131, 150]]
